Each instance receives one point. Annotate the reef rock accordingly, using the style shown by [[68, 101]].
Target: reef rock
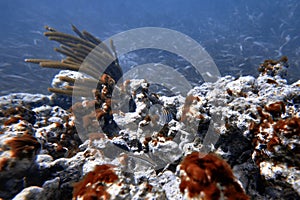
[[236, 138]]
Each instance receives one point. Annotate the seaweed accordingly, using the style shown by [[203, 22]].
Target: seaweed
[[272, 68], [273, 135], [24, 146], [95, 183], [76, 49], [207, 176]]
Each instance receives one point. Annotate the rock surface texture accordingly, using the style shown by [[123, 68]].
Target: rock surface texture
[[236, 138]]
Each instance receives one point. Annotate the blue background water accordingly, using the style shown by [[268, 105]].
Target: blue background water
[[238, 34]]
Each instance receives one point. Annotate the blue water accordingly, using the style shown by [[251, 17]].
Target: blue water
[[238, 34]]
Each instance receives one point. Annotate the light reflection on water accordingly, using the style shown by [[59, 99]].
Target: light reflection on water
[[238, 34]]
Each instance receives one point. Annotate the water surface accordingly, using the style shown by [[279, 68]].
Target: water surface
[[237, 34]]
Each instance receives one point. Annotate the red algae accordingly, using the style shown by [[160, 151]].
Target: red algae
[[269, 66], [95, 183], [271, 81], [288, 127], [274, 131], [12, 120], [90, 112], [3, 163], [24, 146], [276, 109], [205, 175], [14, 114], [186, 111]]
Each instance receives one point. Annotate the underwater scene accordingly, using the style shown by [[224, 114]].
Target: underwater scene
[[161, 99]]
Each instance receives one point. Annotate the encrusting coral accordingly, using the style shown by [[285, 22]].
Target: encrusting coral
[[148, 146]]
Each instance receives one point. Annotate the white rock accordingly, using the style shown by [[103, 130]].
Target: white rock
[[32, 193]]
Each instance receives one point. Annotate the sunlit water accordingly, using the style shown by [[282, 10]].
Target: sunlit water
[[237, 34]]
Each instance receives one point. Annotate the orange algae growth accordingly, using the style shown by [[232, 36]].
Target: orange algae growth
[[186, 111], [24, 146], [95, 183], [274, 131], [207, 176], [12, 120], [270, 66], [276, 109], [3, 163], [271, 81]]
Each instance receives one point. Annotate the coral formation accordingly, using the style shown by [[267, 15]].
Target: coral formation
[[38, 129], [148, 146], [276, 142], [76, 49]]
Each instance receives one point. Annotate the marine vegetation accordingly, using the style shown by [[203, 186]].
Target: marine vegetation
[[76, 49], [145, 146], [209, 177], [94, 184]]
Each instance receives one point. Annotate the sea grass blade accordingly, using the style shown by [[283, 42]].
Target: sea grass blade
[[59, 36], [70, 92], [68, 60], [48, 28], [37, 61], [67, 79], [67, 53], [61, 91], [59, 65], [77, 31], [91, 38]]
